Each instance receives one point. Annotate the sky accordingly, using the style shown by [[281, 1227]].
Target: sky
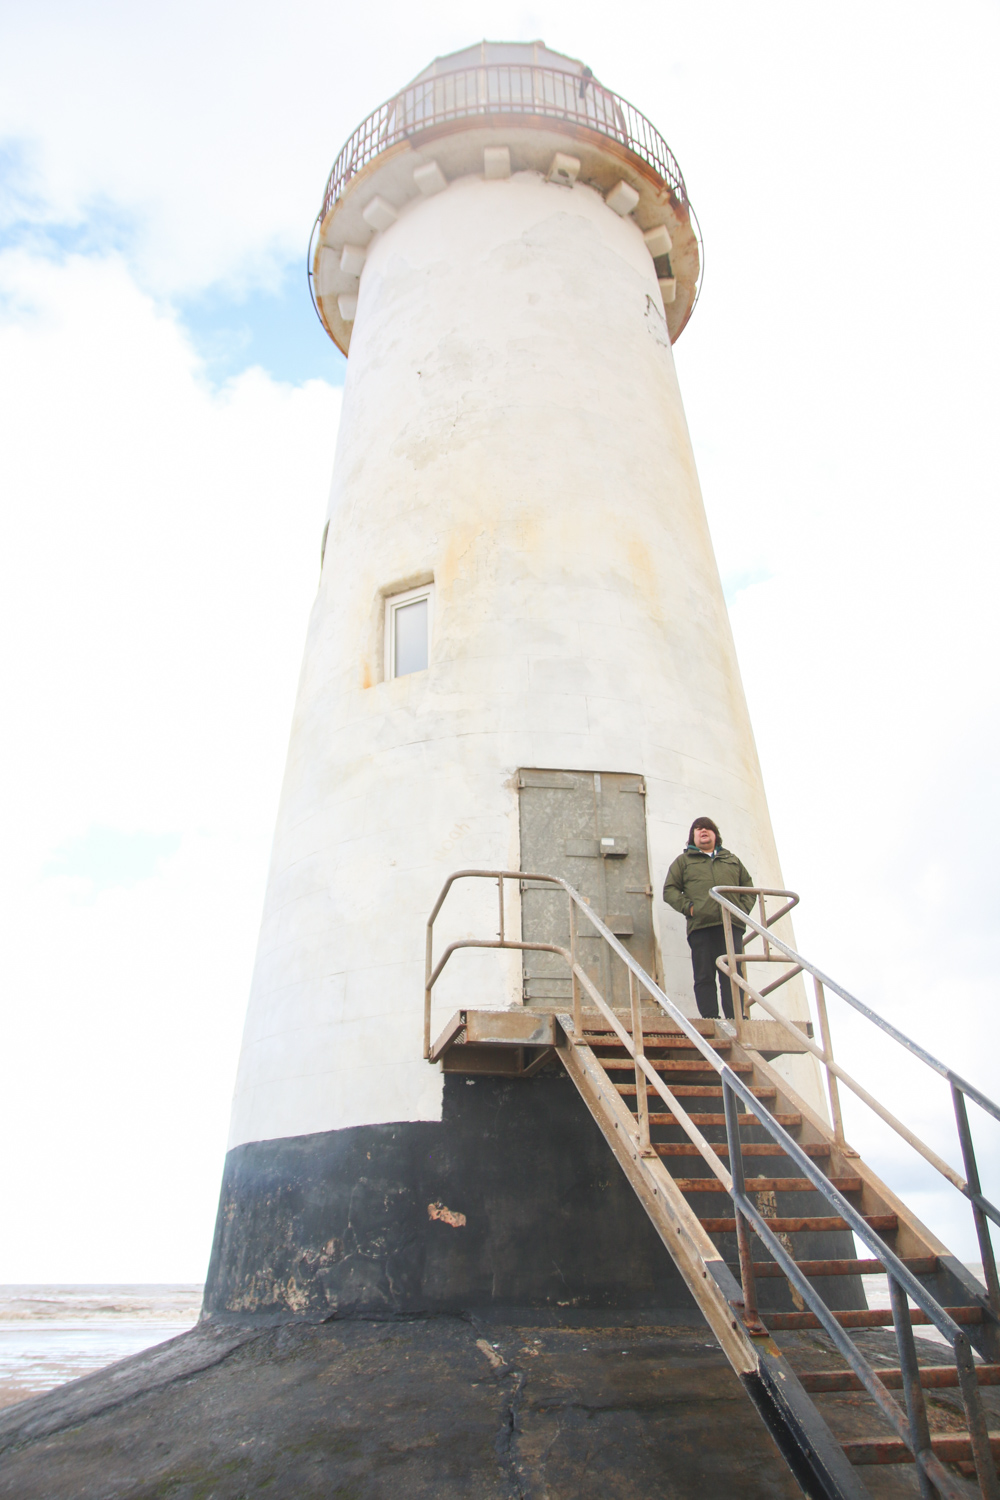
[[169, 411]]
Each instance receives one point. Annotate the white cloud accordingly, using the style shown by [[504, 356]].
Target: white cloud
[[106, 857], [207, 130], [161, 549]]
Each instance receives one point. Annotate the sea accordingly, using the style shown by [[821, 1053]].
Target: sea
[[50, 1334], [877, 1296]]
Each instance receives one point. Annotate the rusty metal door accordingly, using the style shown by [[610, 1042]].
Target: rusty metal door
[[589, 827]]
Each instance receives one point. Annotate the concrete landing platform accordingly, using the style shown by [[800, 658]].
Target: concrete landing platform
[[427, 1407]]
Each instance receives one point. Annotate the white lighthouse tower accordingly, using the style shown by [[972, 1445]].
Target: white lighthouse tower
[[519, 648]]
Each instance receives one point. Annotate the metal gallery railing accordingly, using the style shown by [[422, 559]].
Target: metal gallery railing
[[910, 1424], [504, 91], [734, 965]]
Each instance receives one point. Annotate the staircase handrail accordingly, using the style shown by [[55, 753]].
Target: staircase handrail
[[577, 902], [969, 1186], [903, 1283], [909, 1424], [913, 1287], [953, 1078]]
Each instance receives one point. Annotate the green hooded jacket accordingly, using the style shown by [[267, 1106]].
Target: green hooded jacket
[[691, 877]]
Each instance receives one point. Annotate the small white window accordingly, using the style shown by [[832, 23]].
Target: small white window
[[408, 631]]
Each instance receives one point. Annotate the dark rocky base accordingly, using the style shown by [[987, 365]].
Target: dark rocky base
[[432, 1409], [439, 1407]]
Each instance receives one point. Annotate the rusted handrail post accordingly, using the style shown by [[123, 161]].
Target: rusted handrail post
[[641, 1099], [916, 1408], [428, 971], [763, 923], [734, 988], [743, 1243], [577, 1002], [975, 1418], [972, 1178], [832, 1087]]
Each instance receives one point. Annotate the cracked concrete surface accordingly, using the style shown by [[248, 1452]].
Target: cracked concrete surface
[[427, 1407]]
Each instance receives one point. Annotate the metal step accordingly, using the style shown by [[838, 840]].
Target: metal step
[[884, 1223], [656, 1038], [790, 1122], [764, 1184], [950, 1447], [932, 1377], [653, 1041], [678, 1148], [920, 1265], [669, 1065], [706, 1091], [879, 1317]]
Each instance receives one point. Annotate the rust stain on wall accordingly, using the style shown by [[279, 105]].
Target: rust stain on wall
[[438, 1211]]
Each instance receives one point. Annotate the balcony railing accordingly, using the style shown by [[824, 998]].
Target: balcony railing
[[504, 91]]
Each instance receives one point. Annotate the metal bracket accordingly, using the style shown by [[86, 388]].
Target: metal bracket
[[752, 1325]]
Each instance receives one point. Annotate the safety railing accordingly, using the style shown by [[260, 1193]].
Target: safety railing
[[504, 90], [733, 962], [432, 974], [911, 1425]]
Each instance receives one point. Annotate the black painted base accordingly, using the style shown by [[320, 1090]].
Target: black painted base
[[513, 1201]]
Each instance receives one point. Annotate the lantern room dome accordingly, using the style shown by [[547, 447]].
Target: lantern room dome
[[496, 109], [490, 54]]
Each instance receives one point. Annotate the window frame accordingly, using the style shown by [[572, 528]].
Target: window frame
[[398, 601]]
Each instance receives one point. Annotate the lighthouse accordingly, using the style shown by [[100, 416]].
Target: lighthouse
[[518, 658]]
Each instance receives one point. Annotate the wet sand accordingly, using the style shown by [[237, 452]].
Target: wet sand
[[50, 1334], [877, 1294]]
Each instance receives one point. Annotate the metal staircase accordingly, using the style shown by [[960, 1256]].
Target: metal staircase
[[721, 1152]]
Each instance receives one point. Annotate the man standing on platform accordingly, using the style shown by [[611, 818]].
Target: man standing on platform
[[692, 875]]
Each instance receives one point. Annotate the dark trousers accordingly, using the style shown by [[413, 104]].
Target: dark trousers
[[707, 944]]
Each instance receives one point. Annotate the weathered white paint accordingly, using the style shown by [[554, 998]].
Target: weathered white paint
[[430, 179], [622, 198], [565, 169], [379, 214], [512, 430], [658, 242], [352, 257], [496, 162]]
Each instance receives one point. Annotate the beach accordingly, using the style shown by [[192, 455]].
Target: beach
[[50, 1334]]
